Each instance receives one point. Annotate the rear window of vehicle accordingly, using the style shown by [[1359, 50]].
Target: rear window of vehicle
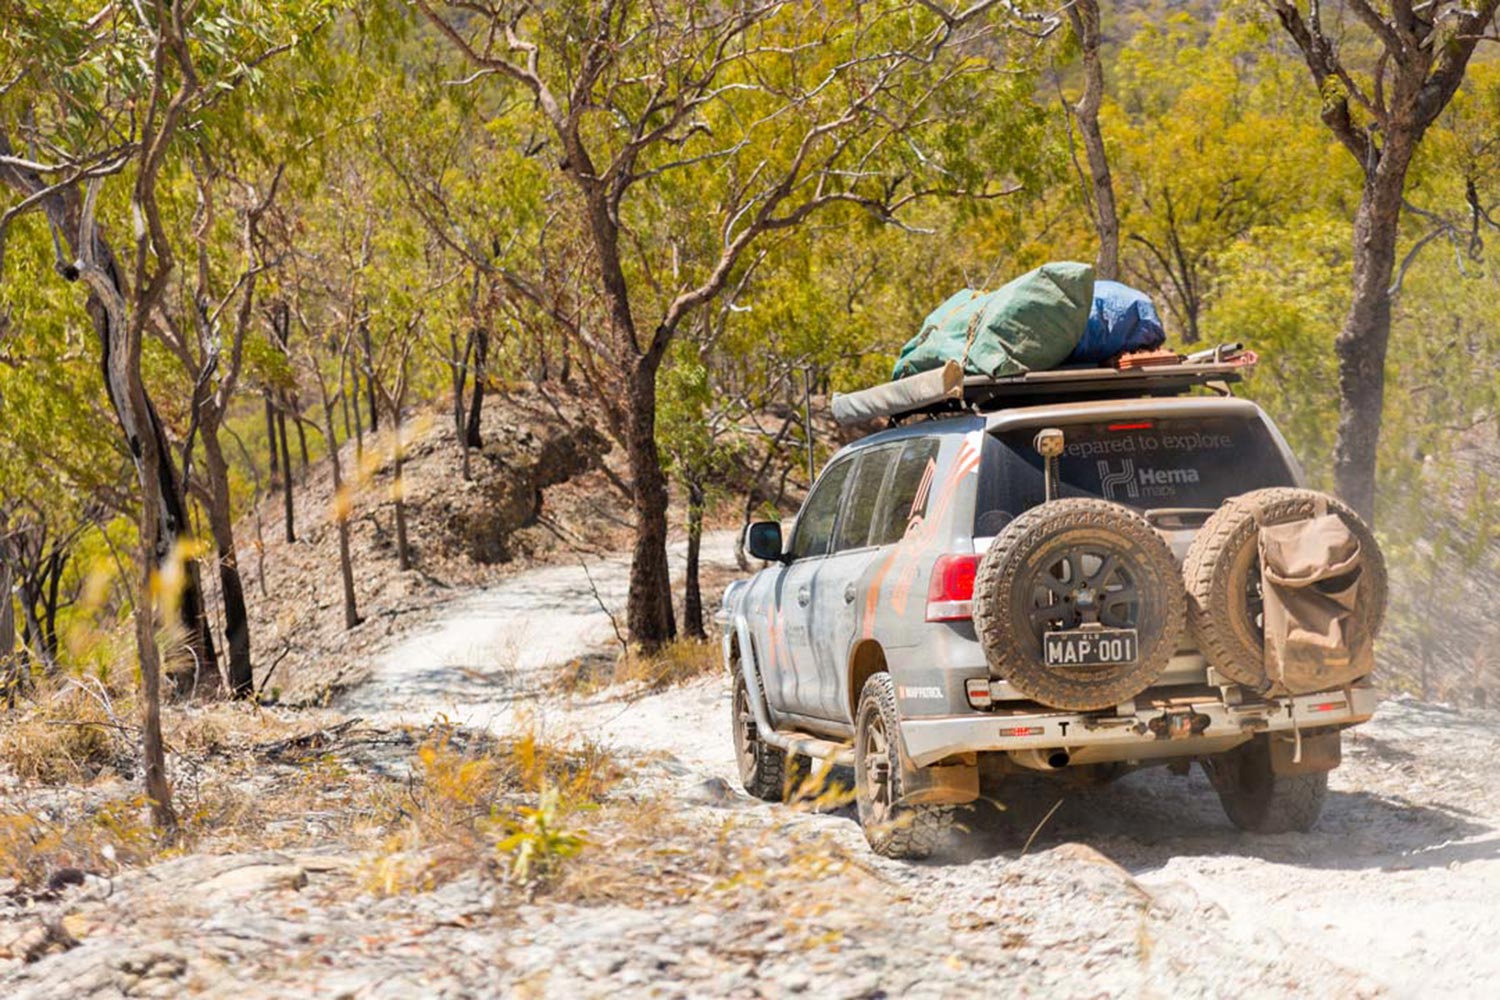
[[864, 495], [1140, 463], [911, 486]]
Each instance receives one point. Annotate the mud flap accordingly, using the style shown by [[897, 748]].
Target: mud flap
[[1320, 752], [941, 784]]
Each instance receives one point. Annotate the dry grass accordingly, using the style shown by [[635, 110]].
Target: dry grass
[[427, 805], [506, 809], [678, 662], [73, 731]]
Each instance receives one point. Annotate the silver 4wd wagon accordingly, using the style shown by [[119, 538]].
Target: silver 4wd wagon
[[1060, 572]]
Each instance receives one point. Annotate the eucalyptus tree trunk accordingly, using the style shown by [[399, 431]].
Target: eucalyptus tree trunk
[[649, 606], [341, 520], [10, 663], [460, 375], [472, 435], [692, 598], [1364, 340], [158, 788], [369, 348], [271, 440], [296, 405], [232, 587], [1085, 17], [289, 515], [359, 429], [1416, 62], [398, 491]]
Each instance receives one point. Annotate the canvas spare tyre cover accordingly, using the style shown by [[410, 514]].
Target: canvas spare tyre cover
[[1286, 591], [1311, 573], [1030, 324]]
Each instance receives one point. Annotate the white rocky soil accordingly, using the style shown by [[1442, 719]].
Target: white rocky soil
[[1139, 888]]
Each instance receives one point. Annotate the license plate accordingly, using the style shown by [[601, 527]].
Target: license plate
[[1090, 647]]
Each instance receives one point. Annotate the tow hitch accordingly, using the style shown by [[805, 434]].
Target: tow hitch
[[1178, 724]]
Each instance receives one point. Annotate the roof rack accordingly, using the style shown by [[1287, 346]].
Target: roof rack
[[948, 390]]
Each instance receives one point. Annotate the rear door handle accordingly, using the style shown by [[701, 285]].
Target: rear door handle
[[804, 597], [849, 594]]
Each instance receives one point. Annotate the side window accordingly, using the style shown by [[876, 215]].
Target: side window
[[815, 523], [863, 497], [910, 491]]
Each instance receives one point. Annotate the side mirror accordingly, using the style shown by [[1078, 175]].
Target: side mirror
[[763, 540]]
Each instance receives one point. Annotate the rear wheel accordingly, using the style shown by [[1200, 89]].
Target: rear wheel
[[893, 829], [1257, 799], [762, 766]]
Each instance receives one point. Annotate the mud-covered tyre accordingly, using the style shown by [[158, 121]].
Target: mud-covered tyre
[[894, 830], [1259, 800], [1222, 576], [762, 766], [1060, 565]]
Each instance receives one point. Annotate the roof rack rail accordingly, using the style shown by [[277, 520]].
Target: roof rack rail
[[947, 390]]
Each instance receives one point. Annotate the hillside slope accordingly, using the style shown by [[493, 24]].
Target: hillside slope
[[538, 492]]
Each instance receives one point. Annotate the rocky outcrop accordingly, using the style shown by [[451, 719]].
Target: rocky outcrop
[[478, 518]]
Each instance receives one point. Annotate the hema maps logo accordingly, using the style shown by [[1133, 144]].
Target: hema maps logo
[[1145, 481]]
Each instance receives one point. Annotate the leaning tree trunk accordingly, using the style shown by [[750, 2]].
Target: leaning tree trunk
[[1363, 341], [137, 417], [198, 673], [649, 606], [158, 789], [221, 524], [127, 393], [1085, 18], [301, 433], [692, 598]]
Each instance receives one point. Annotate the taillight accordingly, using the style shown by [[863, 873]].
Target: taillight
[[950, 595]]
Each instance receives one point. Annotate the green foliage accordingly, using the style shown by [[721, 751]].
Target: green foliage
[[537, 841]]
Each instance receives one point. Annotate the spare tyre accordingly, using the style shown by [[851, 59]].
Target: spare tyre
[[1072, 565], [1222, 572]]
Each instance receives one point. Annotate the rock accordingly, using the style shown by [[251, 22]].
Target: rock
[[510, 473], [253, 879], [711, 791], [33, 938]]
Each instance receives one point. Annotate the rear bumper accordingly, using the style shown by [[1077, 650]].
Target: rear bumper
[[1095, 737]]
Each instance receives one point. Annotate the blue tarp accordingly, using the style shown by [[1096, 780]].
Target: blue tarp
[[1122, 319]]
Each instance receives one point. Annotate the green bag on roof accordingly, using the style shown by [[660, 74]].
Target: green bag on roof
[[1031, 324]]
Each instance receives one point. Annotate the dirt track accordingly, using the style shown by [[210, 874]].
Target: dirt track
[[1394, 893]]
